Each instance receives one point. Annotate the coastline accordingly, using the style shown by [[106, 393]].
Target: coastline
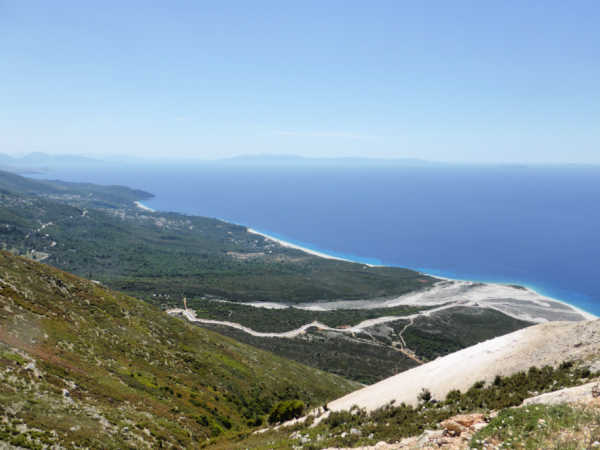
[[533, 295], [577, 286], [310, 251], [144, 207], [298, 247], [542, 298], [584, 313]]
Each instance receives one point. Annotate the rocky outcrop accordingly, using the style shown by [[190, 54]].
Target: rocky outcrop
[[454, 433], [585, 394]]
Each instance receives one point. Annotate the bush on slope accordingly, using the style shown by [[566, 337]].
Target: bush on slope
[[393, 422]]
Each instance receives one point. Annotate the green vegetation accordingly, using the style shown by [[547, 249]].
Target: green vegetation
[[81, 365], [364, 357], [394, 422], [96, 232], [542, 426], [79, 194], [452, 329], [356, 359], [286, 410], [85, 365]]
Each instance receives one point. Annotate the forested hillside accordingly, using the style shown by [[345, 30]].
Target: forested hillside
[[97, 232]]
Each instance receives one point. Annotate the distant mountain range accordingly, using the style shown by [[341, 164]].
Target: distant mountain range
[[41, 162], [298, 159], [38, 161]]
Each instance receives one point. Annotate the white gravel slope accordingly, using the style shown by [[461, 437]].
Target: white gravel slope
[[539, 345]]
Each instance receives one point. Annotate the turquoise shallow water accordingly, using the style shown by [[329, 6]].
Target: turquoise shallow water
[[537, 227], [580, 300]]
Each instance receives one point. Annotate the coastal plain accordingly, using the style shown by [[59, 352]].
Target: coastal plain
[[259, 325], [360, 321]]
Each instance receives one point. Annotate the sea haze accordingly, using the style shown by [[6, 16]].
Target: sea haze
[[536, 226]]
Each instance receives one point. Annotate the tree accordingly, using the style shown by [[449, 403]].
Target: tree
[[286, 410], [424, 396]]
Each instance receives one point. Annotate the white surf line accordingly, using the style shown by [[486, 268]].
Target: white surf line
[[190, 315], [298, 247], [531, 295]]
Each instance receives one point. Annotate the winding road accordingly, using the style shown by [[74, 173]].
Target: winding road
[[190, 315]]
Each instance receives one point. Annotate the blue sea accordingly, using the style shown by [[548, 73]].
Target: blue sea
[[535, 226]]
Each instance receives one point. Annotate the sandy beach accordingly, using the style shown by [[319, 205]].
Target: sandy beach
[[519, 302], [304, 249], [144, 207], [515, 301]]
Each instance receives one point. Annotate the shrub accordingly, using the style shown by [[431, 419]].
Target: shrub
[[286, 410], [424, 396], [453, 396], [255, 422]]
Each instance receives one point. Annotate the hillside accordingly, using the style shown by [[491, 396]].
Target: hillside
[[539, 345], [534, 388], [371, 350], [83, 365]]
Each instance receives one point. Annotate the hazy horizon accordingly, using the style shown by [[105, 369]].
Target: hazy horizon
[[36, 160], [459, 82]]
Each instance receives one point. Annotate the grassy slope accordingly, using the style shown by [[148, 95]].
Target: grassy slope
[[541, 426], [134, 376]]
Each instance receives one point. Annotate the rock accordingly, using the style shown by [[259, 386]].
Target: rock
[[32, 368], [429, 437], [466, 436], [381, 445], [594, 366], [572, 395], [479, 426], [596, 391], [452, 427], [468, 420]]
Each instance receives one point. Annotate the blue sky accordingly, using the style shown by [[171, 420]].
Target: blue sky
[[480, 81]]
